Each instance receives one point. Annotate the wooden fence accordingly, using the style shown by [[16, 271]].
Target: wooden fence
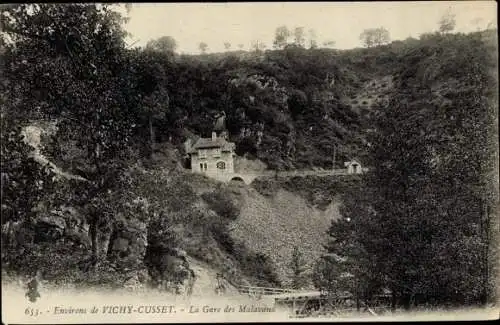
[[256, 291]]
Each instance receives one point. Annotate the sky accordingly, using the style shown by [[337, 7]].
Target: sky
[[342, 22]]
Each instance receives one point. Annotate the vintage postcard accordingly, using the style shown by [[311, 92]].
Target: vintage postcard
[[249, 162]]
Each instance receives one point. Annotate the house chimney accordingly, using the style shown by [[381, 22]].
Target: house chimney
[[214, 136]]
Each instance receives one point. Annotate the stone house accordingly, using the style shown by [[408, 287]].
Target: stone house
[[212, 156]]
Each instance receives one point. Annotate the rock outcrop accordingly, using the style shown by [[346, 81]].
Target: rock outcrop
[[127, 243]]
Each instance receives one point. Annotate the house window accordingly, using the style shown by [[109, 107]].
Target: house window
[[201, 167], [202, 153], [205, 166], [221, 165], [217, 152]]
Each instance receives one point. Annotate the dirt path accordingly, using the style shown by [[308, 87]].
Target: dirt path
[[206, 280]]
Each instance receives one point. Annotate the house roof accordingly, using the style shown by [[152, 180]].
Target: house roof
[[351, 162], [206, 143]]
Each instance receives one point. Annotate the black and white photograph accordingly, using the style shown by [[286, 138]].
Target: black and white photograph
[[249, 162]]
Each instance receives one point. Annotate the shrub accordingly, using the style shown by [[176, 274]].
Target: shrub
[[260, 267], [220, 202], [266, 187], [220, 233]]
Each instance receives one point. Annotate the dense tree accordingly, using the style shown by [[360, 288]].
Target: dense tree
[[227, 45], [203, 47], [421, 224], [151, 78], [165, 44], [80, 54], [298, 267], [25, 182]]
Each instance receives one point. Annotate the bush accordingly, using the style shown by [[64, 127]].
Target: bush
[[260, 267], [220, 232], [221, 203], [265, 187]]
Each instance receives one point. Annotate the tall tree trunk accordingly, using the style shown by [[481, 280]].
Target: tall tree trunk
[[393, 300], [358, 303], [406, 301], [94, 243]]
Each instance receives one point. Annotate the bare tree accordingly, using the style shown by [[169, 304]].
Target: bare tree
[[447, 22], [375, 37], [382, 36], [258, 45], [299, 38], [313, 43]]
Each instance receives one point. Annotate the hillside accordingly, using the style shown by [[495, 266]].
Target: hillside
[[274, 225], [95, 189]]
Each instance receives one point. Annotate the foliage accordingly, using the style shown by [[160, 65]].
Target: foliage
[[298, 267], [258, 45], [374, 36], [220, 201], [350, 257], [281, 37], [203, 47], [420, 224], [164, 44], [257, 266], [318, 191], [299, 38], [24, 181], [447, 22]]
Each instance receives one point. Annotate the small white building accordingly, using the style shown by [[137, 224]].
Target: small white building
[[354, 167], [212, 156]]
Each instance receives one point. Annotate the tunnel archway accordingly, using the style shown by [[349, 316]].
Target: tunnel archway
[[237, 179]]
